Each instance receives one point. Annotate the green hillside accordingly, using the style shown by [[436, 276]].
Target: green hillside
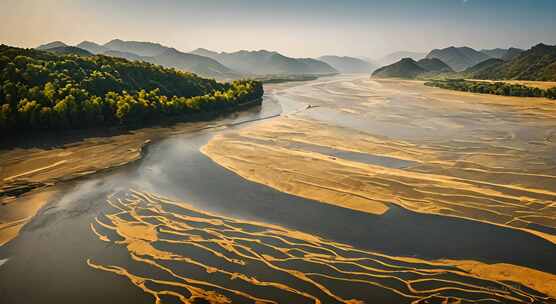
[[405, 68], [481, 67], [434, 65], [45, 90], [537, 63]]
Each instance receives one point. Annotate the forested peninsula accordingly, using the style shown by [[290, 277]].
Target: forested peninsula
[[41, 90]]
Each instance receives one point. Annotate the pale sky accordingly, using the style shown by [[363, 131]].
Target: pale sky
[[300, 28]]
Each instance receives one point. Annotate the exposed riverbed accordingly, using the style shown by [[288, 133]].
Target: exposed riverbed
[[420, 203]]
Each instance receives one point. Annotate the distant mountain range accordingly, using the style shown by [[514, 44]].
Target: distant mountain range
[[202, 62], [537, 63], [458, 58], [348, 64], [504, 54], [265, 62]]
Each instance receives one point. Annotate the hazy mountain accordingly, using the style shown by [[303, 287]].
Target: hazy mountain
[[458, 58], [397, 56], [434, 65], [537, 63], [348, 64], [136, 47], [265, 62], [92, 47], [481, 67], [55, 44], [125, 55], [505, 54], [70, 50], [405, 68], [190, 62], [495, 53]]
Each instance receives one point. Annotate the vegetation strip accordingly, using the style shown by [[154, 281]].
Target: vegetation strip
[[496, 88]]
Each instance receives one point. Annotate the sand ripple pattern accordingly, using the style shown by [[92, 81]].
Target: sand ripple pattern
[[178, 253]]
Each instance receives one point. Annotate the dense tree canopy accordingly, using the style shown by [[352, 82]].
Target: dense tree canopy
[[44, 90], [497, 88]]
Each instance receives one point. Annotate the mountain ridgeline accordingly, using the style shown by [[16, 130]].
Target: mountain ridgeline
[[48, 90], [348, 65], [537, 63], [264, 62]]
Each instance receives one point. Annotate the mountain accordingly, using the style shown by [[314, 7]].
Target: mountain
[[537, 63], [348, 64], [67, 50], [434, 65], [405, 68], [458, 58], [190, 62], [495, 53], [511, 54], [140, 48], [267, 63], [92, 47], [125, 55], [481, 67], [397, 56], [505, 54], [51, 45]]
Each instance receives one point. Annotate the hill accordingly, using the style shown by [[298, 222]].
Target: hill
[[481, 67], [47, 90], [264, 62], [504, 54], [67, 50], [511, 54], [140, 48], [434, 65], [54, 44], [458, 58], [92, 47], [190, 62], [537, 63], [397, 56], [124, 55], [405, 68], [348, 64]]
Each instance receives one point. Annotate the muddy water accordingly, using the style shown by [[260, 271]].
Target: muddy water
[[128, 236]]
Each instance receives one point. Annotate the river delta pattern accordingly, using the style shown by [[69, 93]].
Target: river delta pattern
[[180, 254]]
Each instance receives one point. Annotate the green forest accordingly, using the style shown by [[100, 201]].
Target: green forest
[[496, 88], [44, 90]]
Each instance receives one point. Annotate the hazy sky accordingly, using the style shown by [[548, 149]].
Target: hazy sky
[[300, 28]]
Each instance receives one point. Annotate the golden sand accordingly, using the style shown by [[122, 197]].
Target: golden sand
[[534, 279], [371, 188], [228, 243]]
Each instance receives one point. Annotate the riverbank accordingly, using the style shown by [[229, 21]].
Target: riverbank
[[32, 167]]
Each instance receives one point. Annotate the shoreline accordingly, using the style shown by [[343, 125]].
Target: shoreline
[[31, 174]]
